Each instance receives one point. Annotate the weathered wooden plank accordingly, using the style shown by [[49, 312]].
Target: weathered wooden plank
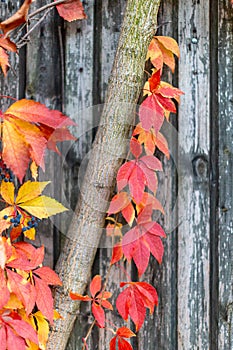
[[160, 330], [193, 232], [78, 102], [10, 85], [225, 99], [43, 84]]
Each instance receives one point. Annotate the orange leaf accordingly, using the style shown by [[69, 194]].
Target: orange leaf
[[71, 10], [28, 128], [4, 62], [7, 44], [117, 253], [17, 19], [170, 44]]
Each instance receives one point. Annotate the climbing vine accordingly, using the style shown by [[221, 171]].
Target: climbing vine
[[28, 128]]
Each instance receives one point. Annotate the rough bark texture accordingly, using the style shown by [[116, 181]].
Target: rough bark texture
[[82, 240]]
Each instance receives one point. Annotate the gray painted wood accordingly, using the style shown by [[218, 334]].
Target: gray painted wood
[[10, 85], [43, 84], [225, 99], [194, 145], [78, 102]]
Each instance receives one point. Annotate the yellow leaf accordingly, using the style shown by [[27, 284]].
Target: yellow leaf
[[8, 192], [56, 315], [42, 207], [14, 302], [34, 170], [30, 190], [42, 329], [30, 234]]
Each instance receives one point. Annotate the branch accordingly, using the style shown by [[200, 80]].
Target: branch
[[45, 7], [110, 146]]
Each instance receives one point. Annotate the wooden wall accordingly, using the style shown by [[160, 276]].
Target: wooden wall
[[67, 66]]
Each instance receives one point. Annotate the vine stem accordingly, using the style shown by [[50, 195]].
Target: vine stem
[[45, 7]]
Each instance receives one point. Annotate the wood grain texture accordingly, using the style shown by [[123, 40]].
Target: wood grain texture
[[225, 99], [43, 84], [193, 178], [78, 100], [10, 85]]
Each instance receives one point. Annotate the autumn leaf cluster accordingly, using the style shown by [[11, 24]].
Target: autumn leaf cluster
[[135, 202]]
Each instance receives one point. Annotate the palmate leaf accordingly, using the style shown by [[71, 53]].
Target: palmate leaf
[[98, 299], [28, 201], [134, 300], [28, 128], [143, 239], [158, 103], [121, 333], [161, 50]]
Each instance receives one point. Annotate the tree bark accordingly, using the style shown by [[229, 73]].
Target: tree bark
[[75, 262]]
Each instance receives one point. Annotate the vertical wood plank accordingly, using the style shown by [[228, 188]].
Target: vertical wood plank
[[193, 232], [10, 85], [78, 102], [43, 84], [160, 330], [225, 99]]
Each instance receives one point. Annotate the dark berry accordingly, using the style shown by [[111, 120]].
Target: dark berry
[[5, 217], [6, 179], [24, 229]]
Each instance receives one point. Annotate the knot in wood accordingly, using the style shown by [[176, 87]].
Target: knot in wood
[[200, 167]]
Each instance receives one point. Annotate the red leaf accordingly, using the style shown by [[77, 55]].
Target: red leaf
[[98, 313], [130, 303], [117, 253], [20, 287], [24, 330], [135, 147], [151, 114], [118, 202], [124, 173], [113, 343], [143, 239], [95, 285], [48, 276], [27, 126], [3, 337], [137, 183], [123, 344], [71, 10], [44, 299], [13, 341], [134, 299]]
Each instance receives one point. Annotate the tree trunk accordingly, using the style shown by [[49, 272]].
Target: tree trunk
[[75, 262]]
